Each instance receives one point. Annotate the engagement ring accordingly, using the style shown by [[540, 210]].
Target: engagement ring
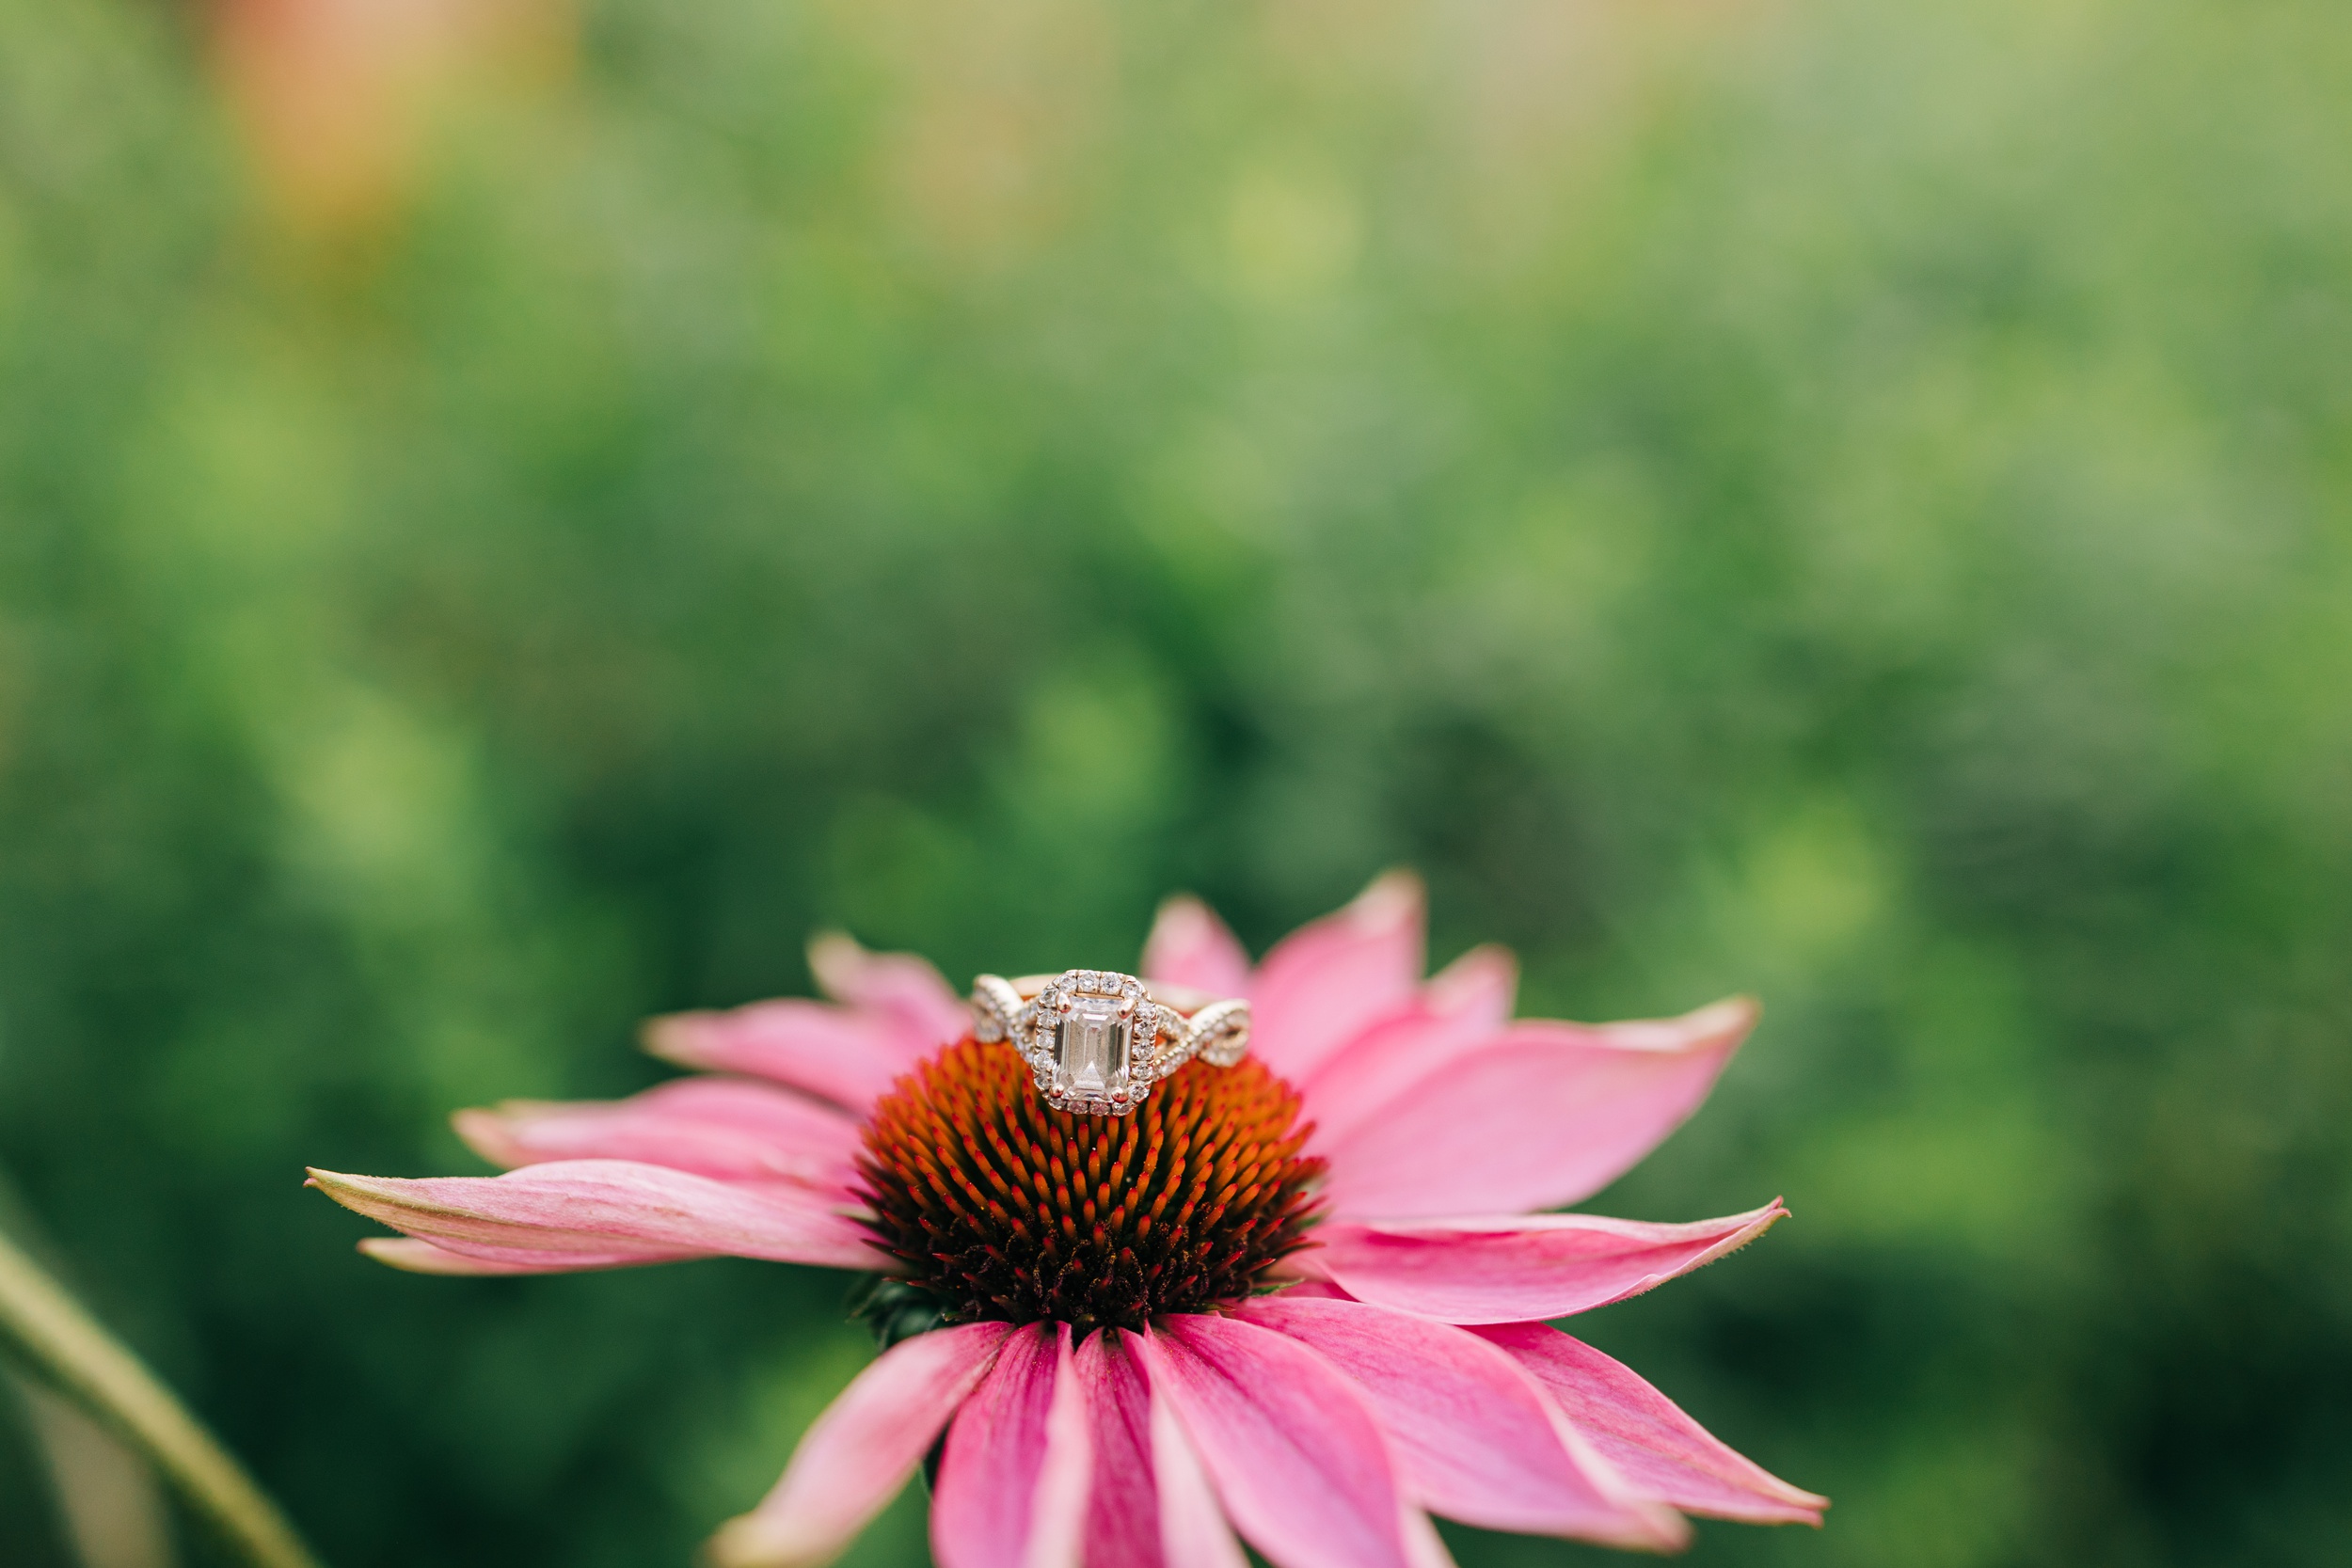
[[1097, 1040]]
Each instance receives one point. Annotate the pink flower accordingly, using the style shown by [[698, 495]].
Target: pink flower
[[1120, 1380]]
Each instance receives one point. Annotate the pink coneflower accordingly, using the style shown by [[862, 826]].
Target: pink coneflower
[[1302, 1297]]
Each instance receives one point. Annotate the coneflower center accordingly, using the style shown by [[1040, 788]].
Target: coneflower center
[[997, 1206]]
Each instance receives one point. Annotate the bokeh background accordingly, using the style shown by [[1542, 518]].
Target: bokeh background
[[511, 515]]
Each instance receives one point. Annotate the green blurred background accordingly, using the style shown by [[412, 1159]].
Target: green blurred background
[[510, 518]]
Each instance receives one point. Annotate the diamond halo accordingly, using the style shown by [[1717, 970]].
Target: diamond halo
[[1096, 1040]]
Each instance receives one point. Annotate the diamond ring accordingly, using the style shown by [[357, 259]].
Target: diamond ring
[[1097, 1040]]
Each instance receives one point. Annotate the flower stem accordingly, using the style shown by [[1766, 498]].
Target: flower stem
[[69, 1348]]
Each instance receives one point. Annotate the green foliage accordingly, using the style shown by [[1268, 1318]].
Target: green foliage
[[1846, 502]]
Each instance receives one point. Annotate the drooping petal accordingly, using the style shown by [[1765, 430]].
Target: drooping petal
[[1193, 1531], [1190, 947], [603, 1214], [900, 988], [1657, 1447], [728, 1128], [1294, 1451], [1475, 1435], [836, 1053], [861, 1451], [1124, 1514], [1330, 978], [1013, 1481], [1463, 1006], [410, 1256], [1517, 1269], [1543, 1115]]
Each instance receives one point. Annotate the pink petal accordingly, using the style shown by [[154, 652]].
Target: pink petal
[[1295, 1453], [603, 1214], [902, 990], [1123, 1517], [727, 1128], [1462, 1007], [836, 1053], [1065, 1482], [1328, 980], [1545, 1115], [1483, 983], [1190, 947], [861, 1451], [1657, 1447], [410, 1256], [1193, 1531], [1013, 1481], [1475, 1436], [1422, 1546], [1152, 1506], [1519, 1269]]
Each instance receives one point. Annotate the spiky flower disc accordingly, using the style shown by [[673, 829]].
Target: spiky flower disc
[[999, 1206]]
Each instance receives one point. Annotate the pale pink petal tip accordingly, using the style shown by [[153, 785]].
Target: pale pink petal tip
[[1519, 1268], [410, 1256], [861, 1451], [1723, 1023], [1394, 897], [1649, 1439], [1190, 947], [1482, 984], [1423, 1546]]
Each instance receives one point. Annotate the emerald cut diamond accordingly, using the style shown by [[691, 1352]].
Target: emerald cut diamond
[[1089, 1038], [1091, 1048], [1096, 1040]]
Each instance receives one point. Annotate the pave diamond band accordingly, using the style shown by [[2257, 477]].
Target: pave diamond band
[[1097, 1040]]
